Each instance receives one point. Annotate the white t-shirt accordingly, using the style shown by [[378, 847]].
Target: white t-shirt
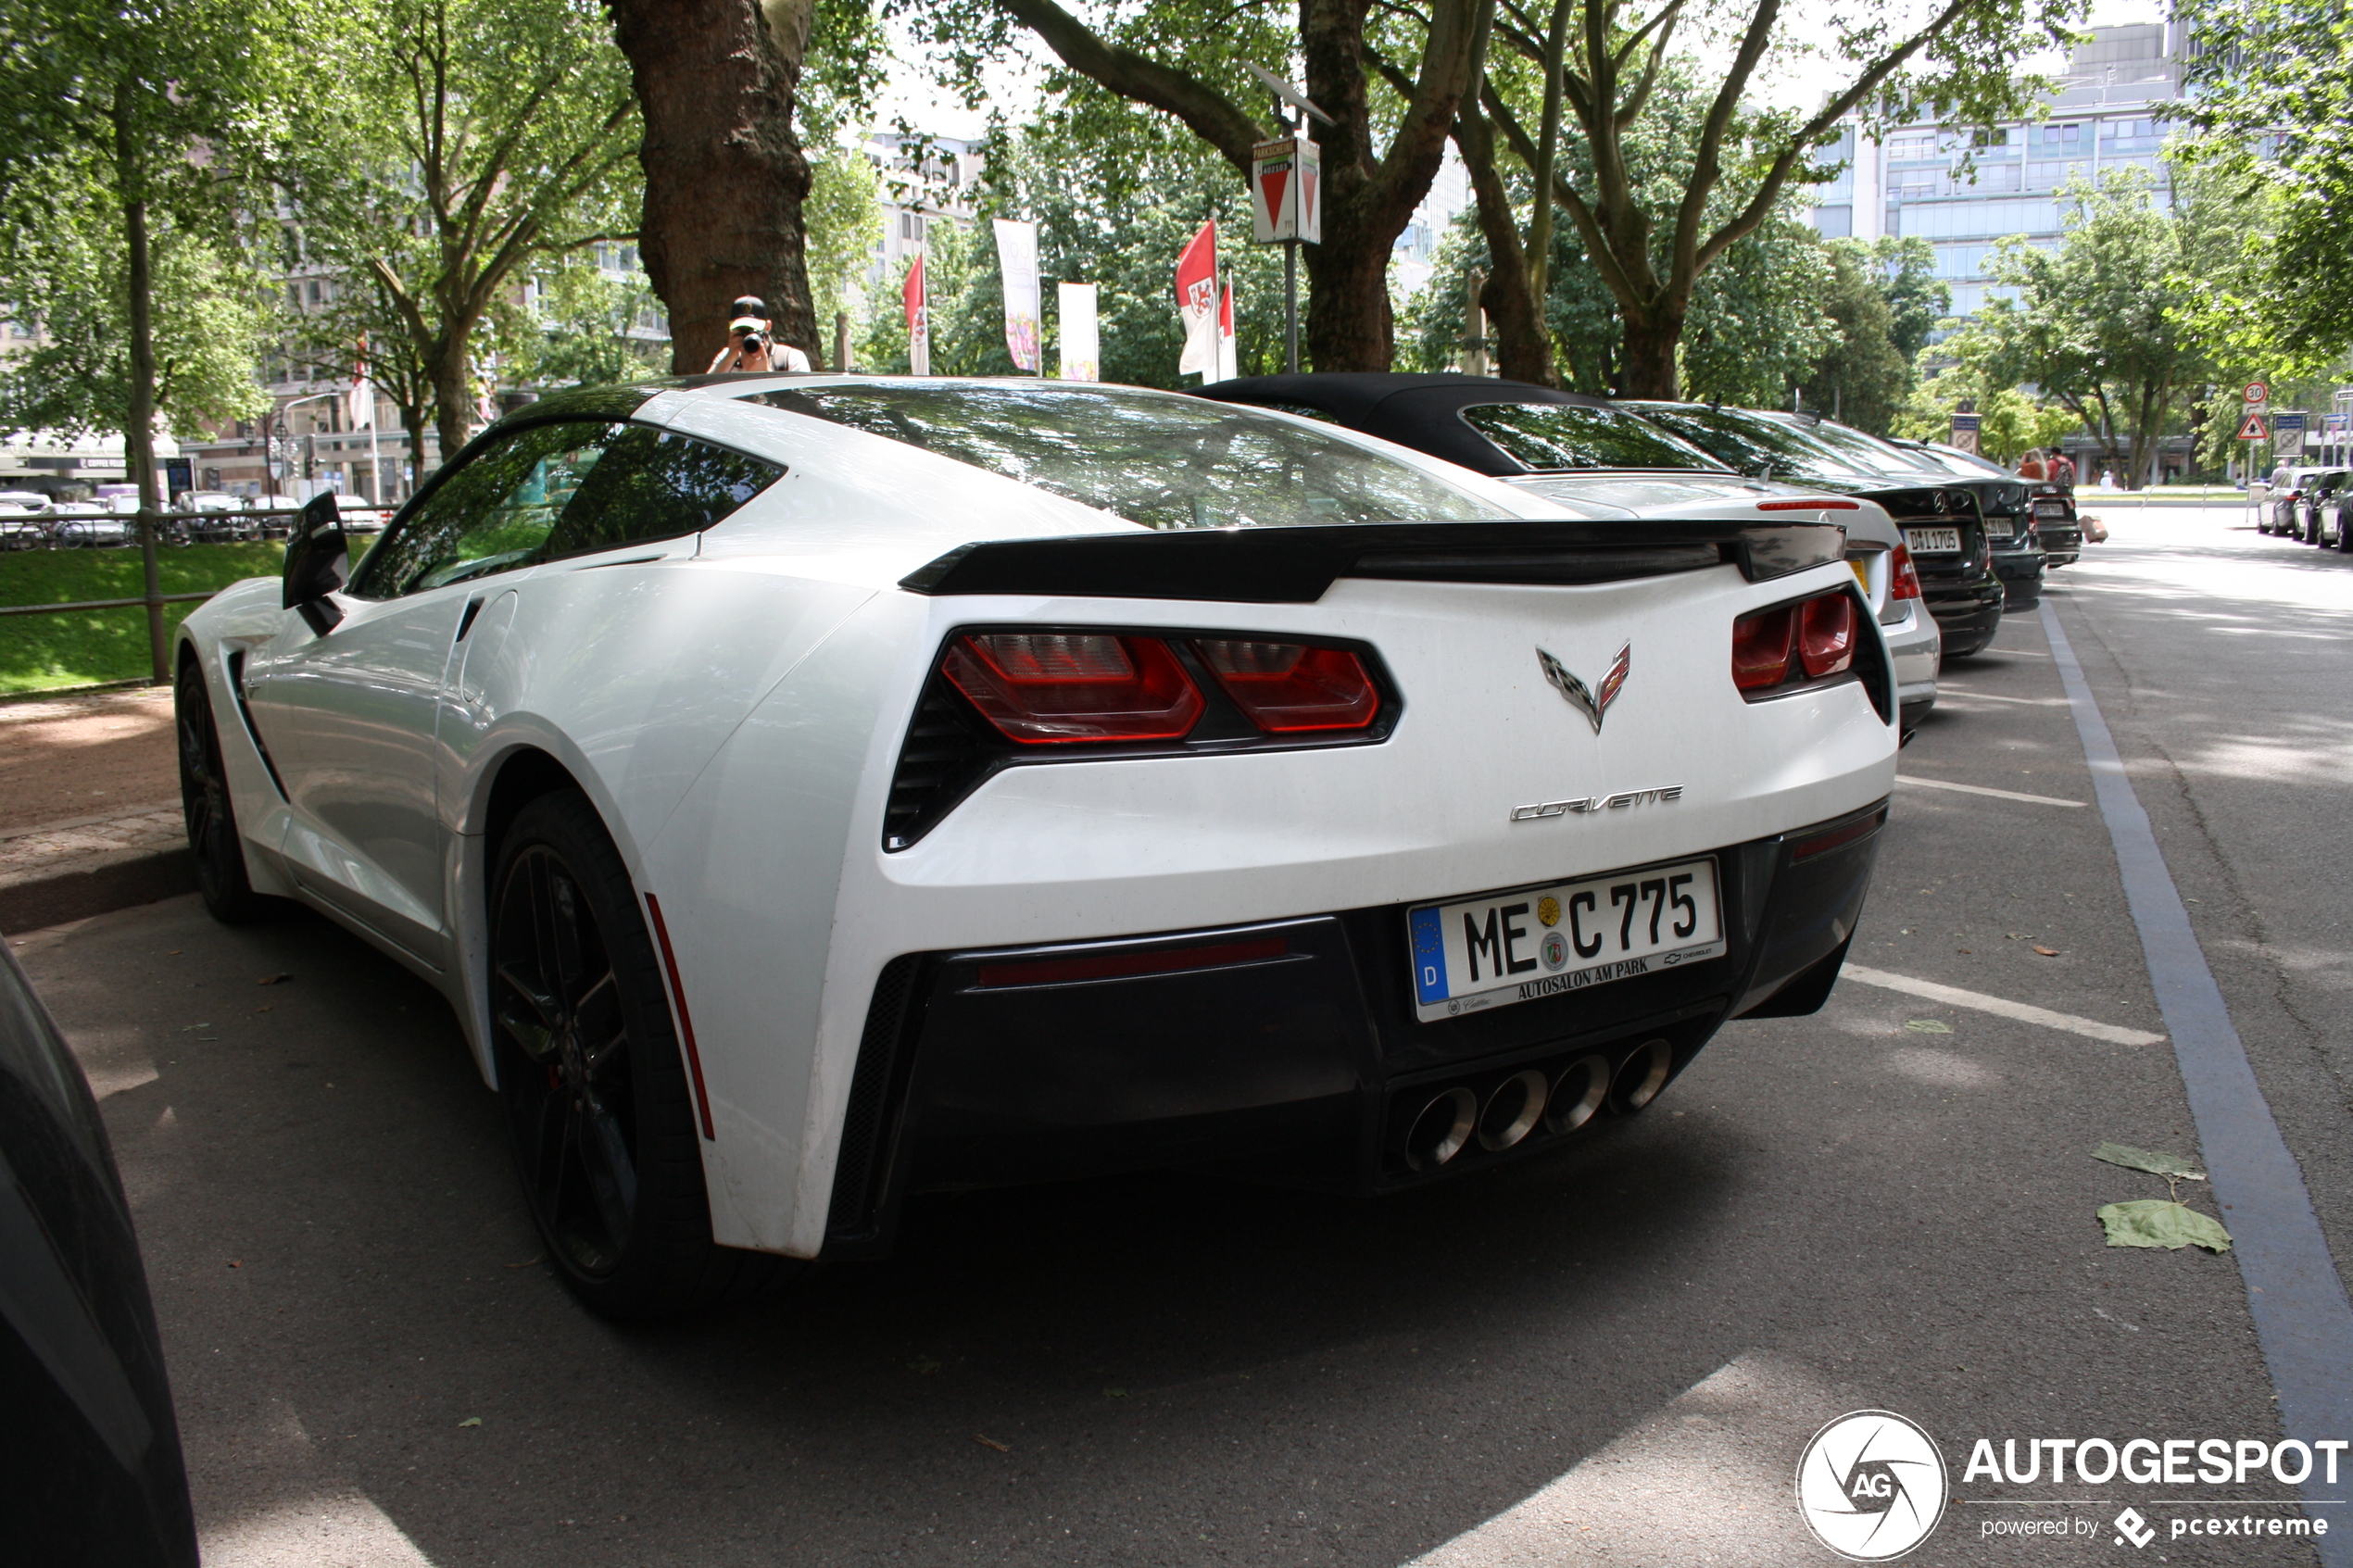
[[781, 356]]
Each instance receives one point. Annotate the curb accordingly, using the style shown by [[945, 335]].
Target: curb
[[98, 886]]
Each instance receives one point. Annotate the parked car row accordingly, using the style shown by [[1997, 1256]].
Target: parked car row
[[29, 520], [1942, 540], [2310, 503]]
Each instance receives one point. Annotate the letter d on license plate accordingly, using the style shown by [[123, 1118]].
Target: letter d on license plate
[[1505, 948]]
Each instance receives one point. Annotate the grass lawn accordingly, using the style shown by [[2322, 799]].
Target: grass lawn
[[51, 652]]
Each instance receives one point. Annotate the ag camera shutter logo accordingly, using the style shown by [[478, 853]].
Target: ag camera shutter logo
[[1872, 1486]]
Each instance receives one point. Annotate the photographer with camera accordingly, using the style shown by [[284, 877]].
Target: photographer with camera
[[752, 346]]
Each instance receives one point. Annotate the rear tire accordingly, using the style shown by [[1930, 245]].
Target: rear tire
[[598, 1110], [210, 815]]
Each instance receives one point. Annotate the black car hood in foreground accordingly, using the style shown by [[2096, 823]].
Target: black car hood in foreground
[[90, 1464]]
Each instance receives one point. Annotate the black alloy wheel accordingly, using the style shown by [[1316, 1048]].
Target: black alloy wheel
[[205, 805], [598, 1105]]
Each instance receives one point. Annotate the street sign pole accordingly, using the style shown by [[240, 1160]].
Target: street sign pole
[[1286, 196], [1290, 306]]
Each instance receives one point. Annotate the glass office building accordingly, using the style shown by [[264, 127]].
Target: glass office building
[[1964, 195]]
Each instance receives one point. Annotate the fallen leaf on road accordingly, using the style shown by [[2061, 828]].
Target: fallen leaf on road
[[527, 1262], [236, 1263], [2048, 952], [1927, 1026], [2152, 1221], [273, 980], [991, 1442], [2155, 1161], [472, 1421]]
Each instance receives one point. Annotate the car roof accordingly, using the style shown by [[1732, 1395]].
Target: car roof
[[1400, 406]]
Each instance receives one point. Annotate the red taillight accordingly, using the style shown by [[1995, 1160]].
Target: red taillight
[[1053, 687], [1761, 647], [1807, 641], [1905, 582], [1287, 687], [1826, 634]]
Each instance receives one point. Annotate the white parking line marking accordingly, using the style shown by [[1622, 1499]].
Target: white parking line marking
[[1981, 789], [1944, 691], [1952, 996]]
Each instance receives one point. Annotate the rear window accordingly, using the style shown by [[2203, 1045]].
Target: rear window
[[1156, 458], [1755, 445], [1872, 453], [1552, 437]]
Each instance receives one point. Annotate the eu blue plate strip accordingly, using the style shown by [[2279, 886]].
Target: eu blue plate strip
[[2294, 1294]]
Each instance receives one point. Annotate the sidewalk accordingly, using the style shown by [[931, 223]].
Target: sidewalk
[[88, 806]]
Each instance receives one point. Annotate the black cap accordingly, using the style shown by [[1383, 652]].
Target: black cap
[[749, 304]]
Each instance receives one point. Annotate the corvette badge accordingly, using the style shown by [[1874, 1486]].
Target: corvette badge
[[1583, 698]]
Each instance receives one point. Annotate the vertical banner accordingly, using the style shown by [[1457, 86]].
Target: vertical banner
[[1018, 261], [1286, 191], [1197, 302], [1965, 430], [918, 318], [1228, 366], [1081, 345], [361, 405]]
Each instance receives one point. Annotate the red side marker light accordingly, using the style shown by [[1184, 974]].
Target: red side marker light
[[686, 1020]]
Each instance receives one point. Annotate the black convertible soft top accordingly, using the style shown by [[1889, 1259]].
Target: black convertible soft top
[[1414, 411]]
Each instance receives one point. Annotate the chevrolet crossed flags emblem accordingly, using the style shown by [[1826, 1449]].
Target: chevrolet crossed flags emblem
[[1583, 698]]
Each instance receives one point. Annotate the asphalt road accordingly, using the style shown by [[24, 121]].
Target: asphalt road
[[1615, 1356]]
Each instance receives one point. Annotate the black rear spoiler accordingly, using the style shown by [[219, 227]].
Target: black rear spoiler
[[1297, 565]]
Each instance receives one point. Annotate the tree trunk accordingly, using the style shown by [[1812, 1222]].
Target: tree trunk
[[716, 81], [412, 424], [453, 389], [139, 421], [1511, 297], [1647, 368]]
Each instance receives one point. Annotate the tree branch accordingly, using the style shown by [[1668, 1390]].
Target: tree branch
[[1207, 112]]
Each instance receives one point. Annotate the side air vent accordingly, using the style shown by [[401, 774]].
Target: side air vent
[[943, 754], [877, 1090]]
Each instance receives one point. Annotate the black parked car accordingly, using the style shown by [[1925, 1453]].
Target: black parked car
[[2005, 503], [90, 1465], [1937, 510]]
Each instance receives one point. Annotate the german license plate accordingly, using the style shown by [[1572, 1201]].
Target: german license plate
[[1996, 528], [1933, 541], [2057, 510], [1505, 948]]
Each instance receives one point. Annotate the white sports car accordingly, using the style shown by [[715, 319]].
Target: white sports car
[[810, 790]]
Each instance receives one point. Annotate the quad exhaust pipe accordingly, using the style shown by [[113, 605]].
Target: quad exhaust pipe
[[1560, 1103]]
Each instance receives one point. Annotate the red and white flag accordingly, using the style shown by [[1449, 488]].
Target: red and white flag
[[1228, 363], [1197, 302], [918, 320]]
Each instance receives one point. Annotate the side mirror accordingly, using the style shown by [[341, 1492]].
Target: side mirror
[[318, 562]]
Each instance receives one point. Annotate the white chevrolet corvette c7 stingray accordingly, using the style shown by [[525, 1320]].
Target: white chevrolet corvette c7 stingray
[[813, 790]]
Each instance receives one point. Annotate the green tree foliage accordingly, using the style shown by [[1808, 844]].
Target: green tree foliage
[[1917, 299], [1604, 62], [2272, 96], [2094, 323], [2011, 422], [1114, 203], [120, 207], [1865, 375], [592, 328], [845, 223], [64, 272], [446, 148], [1760, 318]]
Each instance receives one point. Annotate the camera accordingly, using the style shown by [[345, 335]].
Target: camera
[[755, 343]]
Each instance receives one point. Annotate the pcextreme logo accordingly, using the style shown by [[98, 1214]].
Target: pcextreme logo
[[1872, 1486]]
